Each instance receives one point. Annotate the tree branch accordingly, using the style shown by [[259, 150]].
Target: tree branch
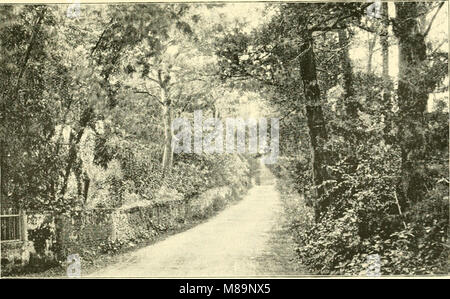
[[366, 28], [30, 46], [432, 19], [339, 19], [399, 209], [154, 80], [148, 93], [101, 37], [289, 113]]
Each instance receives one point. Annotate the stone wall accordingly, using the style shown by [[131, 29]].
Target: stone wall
[[85, 232], [90, 232], [15, 252]]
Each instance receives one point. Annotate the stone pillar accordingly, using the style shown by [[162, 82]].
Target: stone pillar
[[25, 247], [23, 226], [61, 227], [114, 220]]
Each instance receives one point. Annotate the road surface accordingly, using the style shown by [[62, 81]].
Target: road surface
[[246, 239]]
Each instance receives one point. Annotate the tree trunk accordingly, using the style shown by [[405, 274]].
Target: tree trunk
[[412, 101], [351, 106], [385, 52], [387, 100], [371, 47], [60, 249], [86, 117], [3, 191], [87, 182], [73, 153], [315, 121], [168, 134]]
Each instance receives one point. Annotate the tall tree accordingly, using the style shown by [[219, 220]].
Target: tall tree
[[384, 41], [412, 98]]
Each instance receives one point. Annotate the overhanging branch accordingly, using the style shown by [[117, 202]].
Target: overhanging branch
[[432, 19], [148, 93]]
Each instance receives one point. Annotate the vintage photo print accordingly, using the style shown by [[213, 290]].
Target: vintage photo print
[[224, 140]]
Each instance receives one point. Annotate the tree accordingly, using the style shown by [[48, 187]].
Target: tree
[[158, 65], [413, 93]]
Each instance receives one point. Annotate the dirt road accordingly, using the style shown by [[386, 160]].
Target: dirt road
[[246, 239]]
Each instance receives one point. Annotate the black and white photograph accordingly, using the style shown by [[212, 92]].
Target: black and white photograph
[[223, 139]]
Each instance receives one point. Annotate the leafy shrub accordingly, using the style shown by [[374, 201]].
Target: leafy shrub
[[193, 174], [366, 217], [41, 235], [111, 247]]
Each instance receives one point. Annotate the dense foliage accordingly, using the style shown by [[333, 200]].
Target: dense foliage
[[86, 107], [366, 156]]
